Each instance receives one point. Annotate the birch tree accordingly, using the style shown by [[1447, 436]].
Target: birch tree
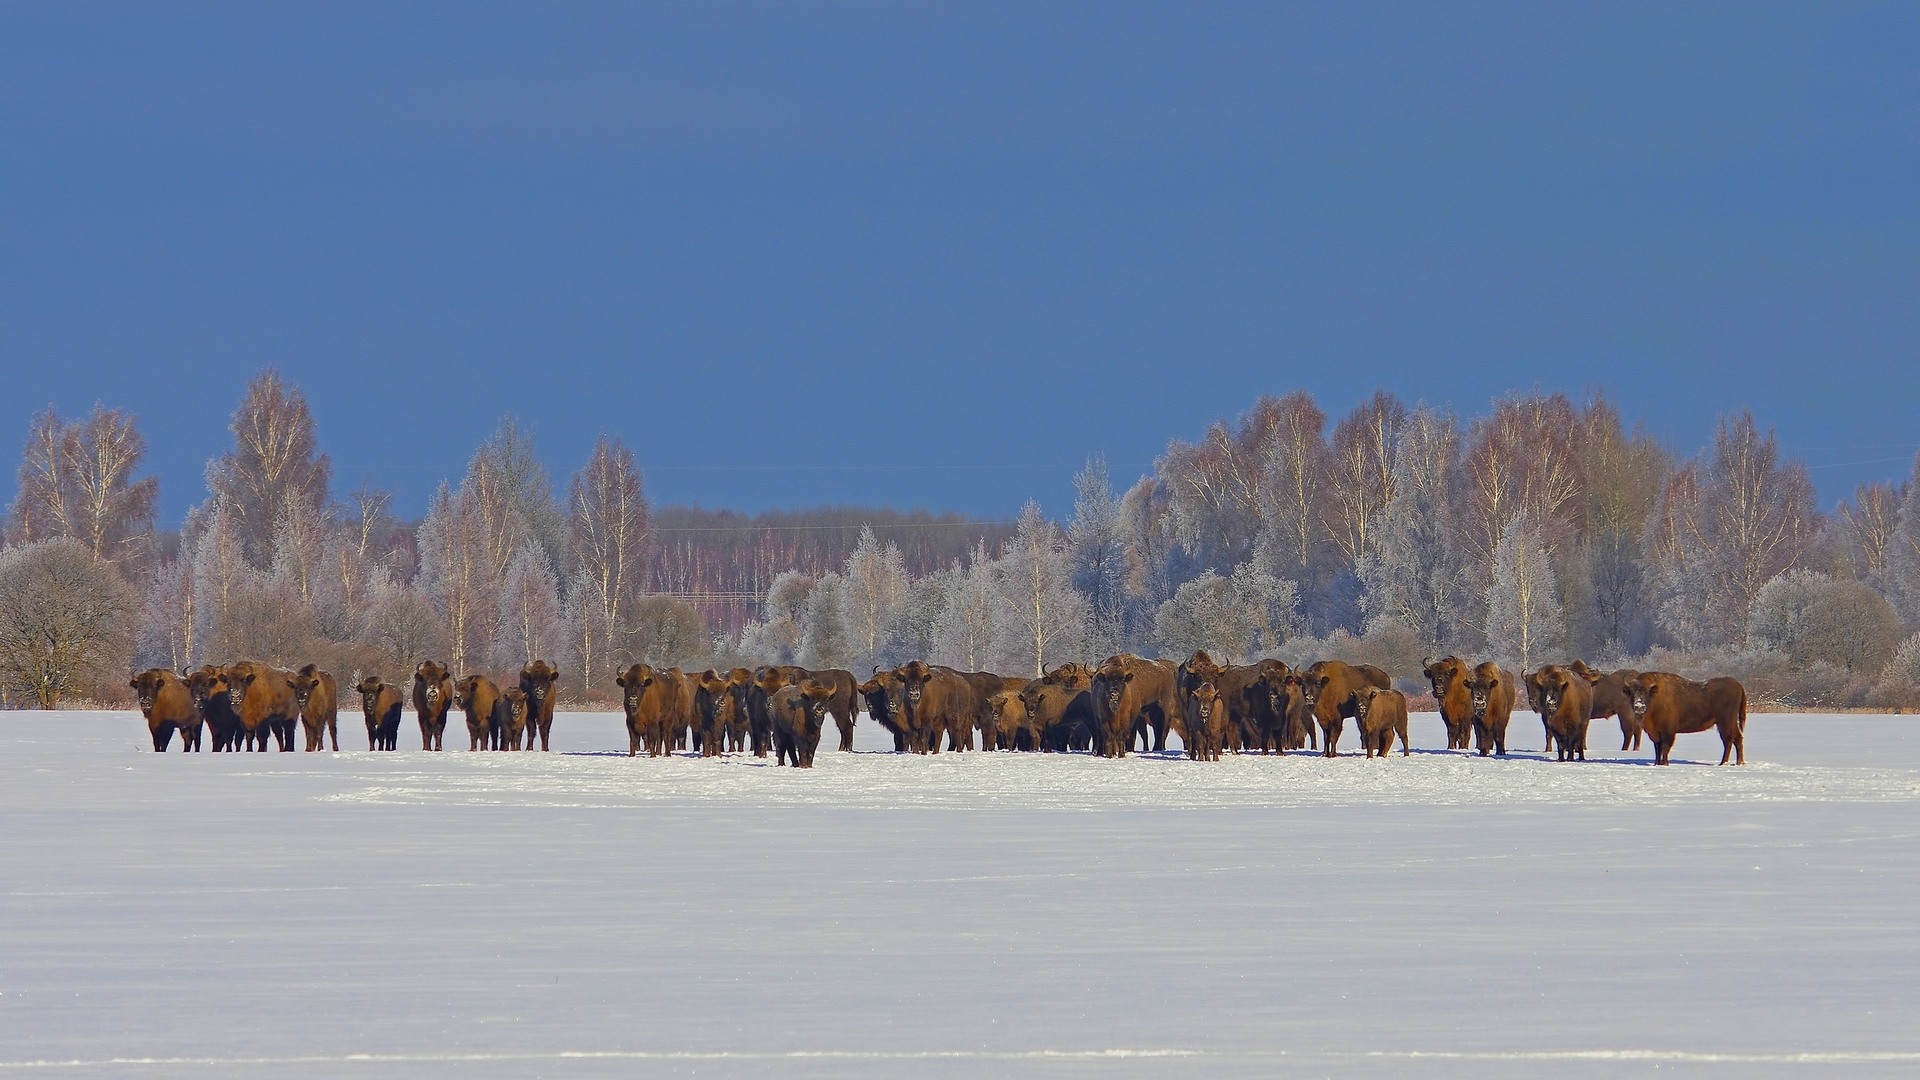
[[77, 480], [1524, 620], [66, 620], [875, 586], [609, 533], [274, 466], [1042, 616]]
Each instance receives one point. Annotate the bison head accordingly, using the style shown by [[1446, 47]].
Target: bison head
[[1205, 697], [369, 689], [146, 686], [1639, 690], [208, 685]]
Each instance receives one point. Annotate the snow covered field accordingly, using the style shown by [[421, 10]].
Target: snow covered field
[[582, 914]]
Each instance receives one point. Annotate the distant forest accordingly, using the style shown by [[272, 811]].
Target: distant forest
[[1544, 529]]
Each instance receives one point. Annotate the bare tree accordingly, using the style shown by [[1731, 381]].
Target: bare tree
[[826, 636], [1234, 618], [220, 574], [1098, 537], [66, 620], [1867, 526], [515, 498], [1623, 475], [1520, 459], [402, 629], [1811, 617], [531, 626], [274, 467], [1524, 620], [1293, 461], [166, 636], [371, 518], [663, 631], [876, 588], [1360, 473], [608, 538], [1412, 574], [76, 480]]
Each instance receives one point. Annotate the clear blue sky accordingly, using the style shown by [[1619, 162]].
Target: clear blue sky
[[934, 254]]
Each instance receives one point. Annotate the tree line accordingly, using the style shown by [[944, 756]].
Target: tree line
[[1543, 529]]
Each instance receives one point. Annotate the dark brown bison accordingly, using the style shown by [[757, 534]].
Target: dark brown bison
[[938, 700], [381, 705], [1448, 677], [1564, 700], [1491, 692], [886, 705], [799, 713], [1133, 696], [168, 705], [539, 681], [985, 684], [266, 705], [1063, 716], [1014, 727], [213, 698], [712, 707], [844, 704], [432, 697], [759, 717], [479, 698], [659, 707], [1667, 705], [315, 695], [1206, 723], [1079, 676], [1253, 699], [739, 723], [513, 717], [1333, 690], [1610, 699], [1380, 715]]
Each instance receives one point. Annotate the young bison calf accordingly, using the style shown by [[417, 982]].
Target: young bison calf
[[1381, 715]]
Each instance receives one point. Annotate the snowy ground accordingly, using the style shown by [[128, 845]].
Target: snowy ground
[[583, 914]]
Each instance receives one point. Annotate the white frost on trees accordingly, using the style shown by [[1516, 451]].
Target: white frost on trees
[[1524, 621]]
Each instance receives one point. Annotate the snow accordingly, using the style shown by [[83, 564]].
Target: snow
[[584, 914]]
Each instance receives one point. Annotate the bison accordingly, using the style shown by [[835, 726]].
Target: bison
[[1131, 696], [658, 704], [1610, 699], [1490, 691], [712, 708], [799, 713], [319, 703], [212, 693], [168, 704], [381, 705], [266, 704], [1206, 723], [1063, 716], [1449, 679], [1666, 705], [886, 705], [937, 700], [511, 718], [1380, 715], [479, 698], [1333, 690], [1564, 700], [539, 681], [432, 697]]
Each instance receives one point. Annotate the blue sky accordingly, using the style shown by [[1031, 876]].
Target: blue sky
[[935, 254]]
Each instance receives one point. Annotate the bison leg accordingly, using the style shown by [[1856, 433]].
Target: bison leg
[[1330, 736]]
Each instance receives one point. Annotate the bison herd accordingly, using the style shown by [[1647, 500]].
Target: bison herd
[[1125, 702]]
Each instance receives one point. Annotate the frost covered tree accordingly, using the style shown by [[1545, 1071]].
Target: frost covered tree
[[875, 587], [1623, 475], [1728, 522], [220, 574], [1867, 524], [66, 620], [1902, 573], [826, 638], [1359, 477], [531, 624], [401, 630], [76, 480], [664, 631], [1293, 459], [1524, 621], [1233, 618], [783, 617], [916, 625], [609, 536], [166, 634], [1812, 617], [456, 573], [1412, 575], [1042, 618], [274, 466], [963, 634], [515, 499], [1098, 538]]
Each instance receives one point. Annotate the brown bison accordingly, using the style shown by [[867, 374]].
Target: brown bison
[[1449, 679], [1564, 700], [799, 713], [1079, 676], [759, 717], [1131, 696], [1333, 689], [539, 681], [479, 698], [319, 703], [1380, 715], [266, 705], [844, 704], [659, 708], [1014, 727], [886, 705], [985, 684], [1206, 723], [381, 705], [1253, 697], [938, 700], [712, 708], [213, 699], [1610, 699], [512, 716], [739, 723], [432, 697], [1063, 716], [1491, 693], [1666, 705], [169, 706]]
